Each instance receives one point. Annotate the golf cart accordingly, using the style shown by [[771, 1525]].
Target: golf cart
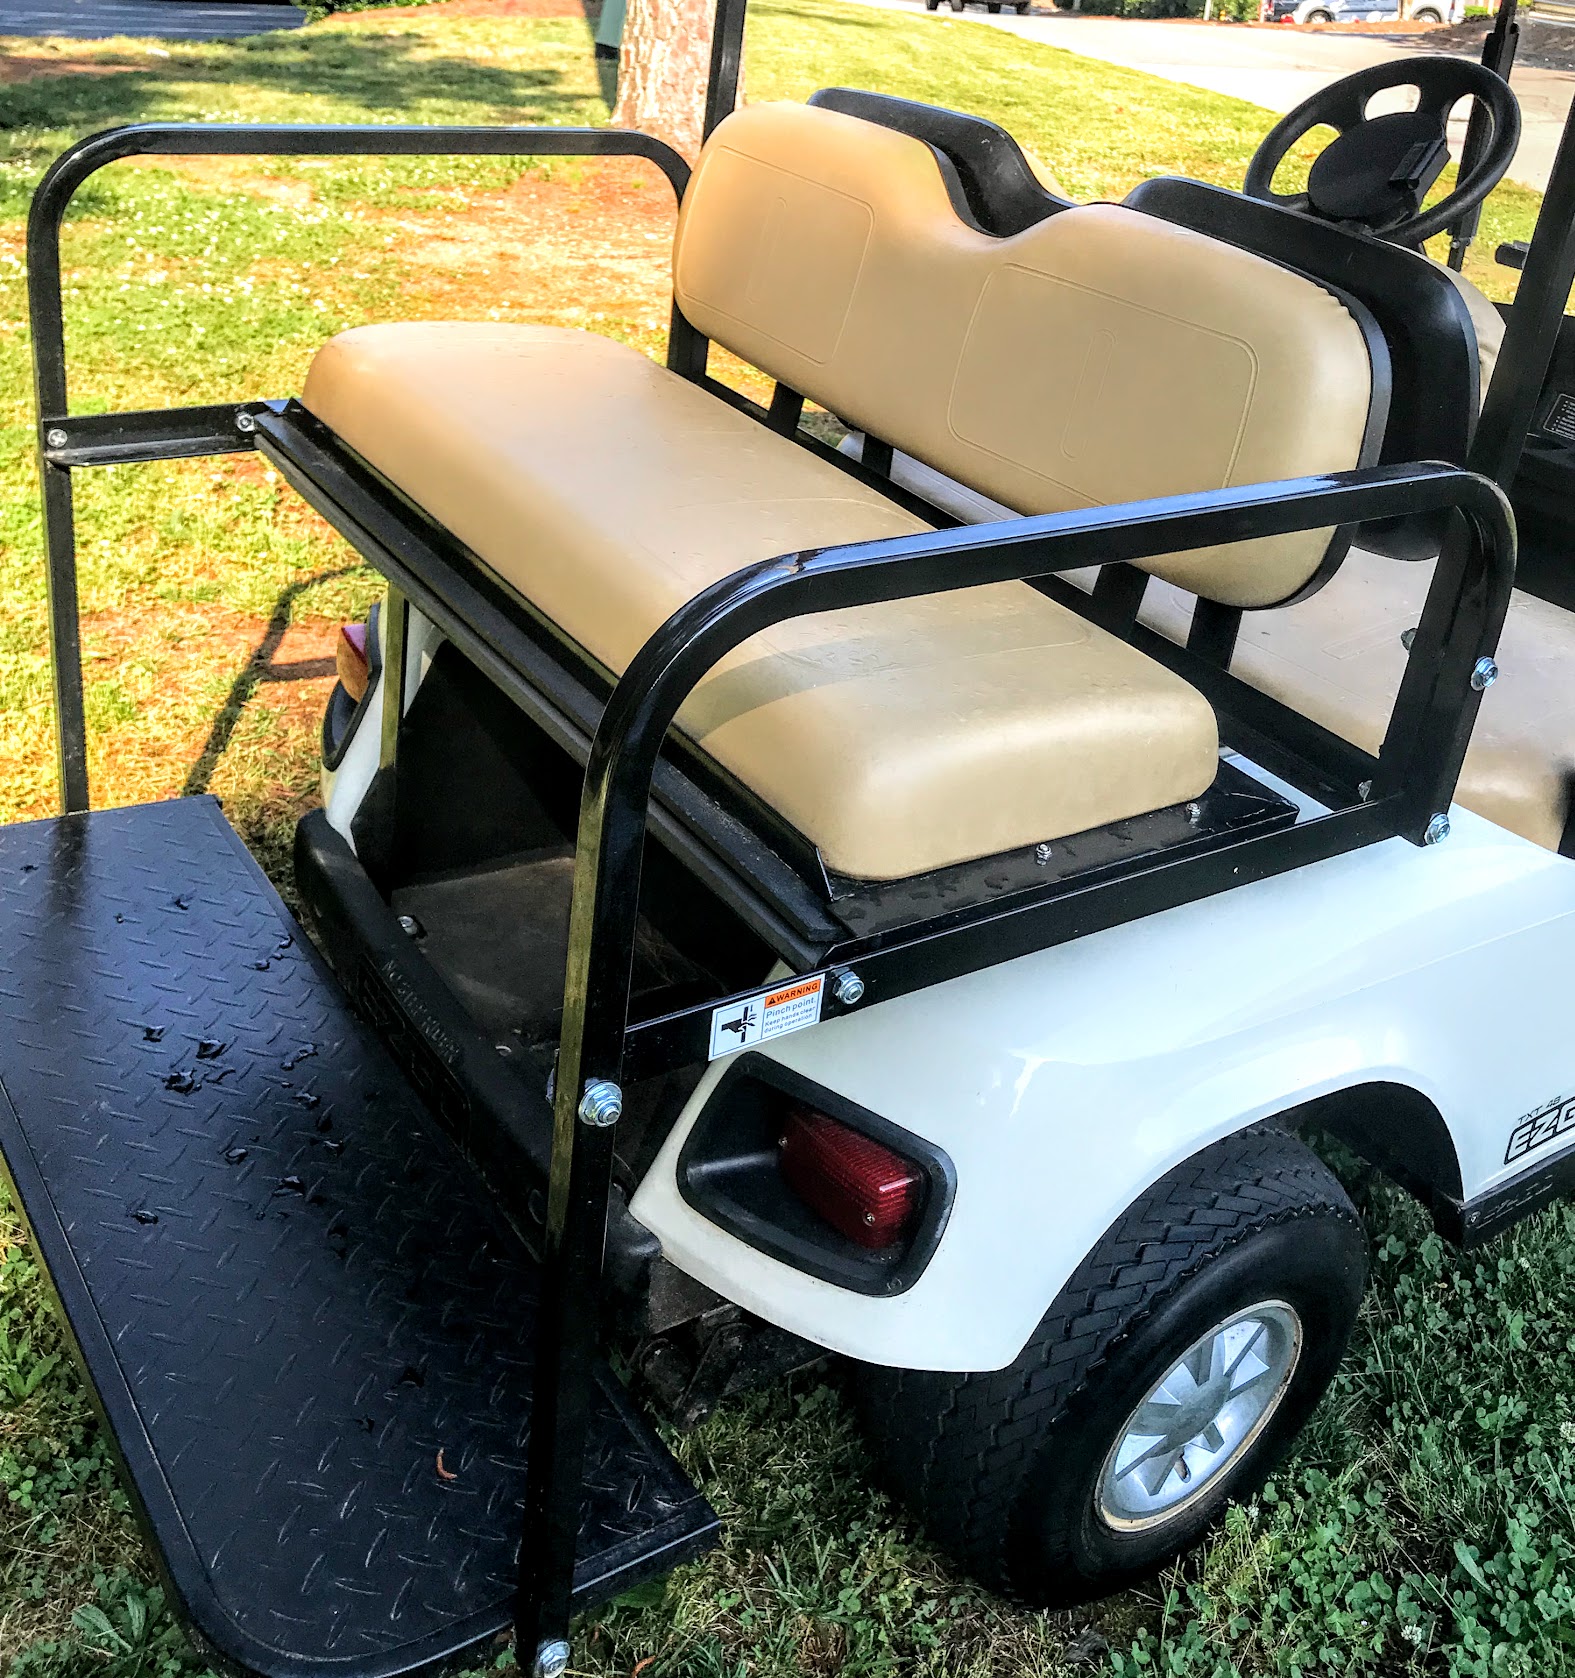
[[761, 909]]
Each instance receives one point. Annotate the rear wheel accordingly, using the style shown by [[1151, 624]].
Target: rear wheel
[[1426, 14], [1320, 17], [1168, 1377]]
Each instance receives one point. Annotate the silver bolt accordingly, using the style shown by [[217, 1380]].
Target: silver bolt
[[245, 422], [1043, 853], [1194, 812], [1484, 674], [1437, 830], [56, 438], [1407, 636], [601, 1105], [848, 989], [1365, 791], [552, 1660], [410, 926]]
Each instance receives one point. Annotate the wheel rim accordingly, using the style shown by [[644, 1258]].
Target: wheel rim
[[1201, 1417]]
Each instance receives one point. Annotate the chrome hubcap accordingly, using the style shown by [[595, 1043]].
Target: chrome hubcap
[[1200, 1417]]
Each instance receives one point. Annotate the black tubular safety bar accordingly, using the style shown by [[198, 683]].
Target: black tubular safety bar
[[1418, 762], [1531, 333], [105, 439]]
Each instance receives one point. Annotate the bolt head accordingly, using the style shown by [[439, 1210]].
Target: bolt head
[[410, 926], [552, 1660], [848, 989], [245, 422], [56, 438], [1484, 674], [1407, 636], [1437, 830], [1043, 853], [601, 1104]]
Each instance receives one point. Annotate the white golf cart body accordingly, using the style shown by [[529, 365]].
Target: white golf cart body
[[1408, 998], [1390, 973]]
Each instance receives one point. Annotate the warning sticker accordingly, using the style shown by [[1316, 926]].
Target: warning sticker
[[772, 1013]]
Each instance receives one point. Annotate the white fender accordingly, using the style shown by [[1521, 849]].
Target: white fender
[[1063, 1083], [344, 786]]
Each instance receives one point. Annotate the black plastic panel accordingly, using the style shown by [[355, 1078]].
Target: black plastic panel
[[288, 1290]]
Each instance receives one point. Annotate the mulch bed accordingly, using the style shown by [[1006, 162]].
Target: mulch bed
[[24, 67], [1543, 45]]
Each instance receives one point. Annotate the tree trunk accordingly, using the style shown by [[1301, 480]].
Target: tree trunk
[[663, 70]]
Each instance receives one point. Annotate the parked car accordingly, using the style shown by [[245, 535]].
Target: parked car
[[1362, 11]]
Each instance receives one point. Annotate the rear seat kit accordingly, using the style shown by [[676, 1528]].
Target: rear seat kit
[[771, 900]]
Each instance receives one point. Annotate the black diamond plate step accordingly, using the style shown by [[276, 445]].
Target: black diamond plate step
[[289, 1292]]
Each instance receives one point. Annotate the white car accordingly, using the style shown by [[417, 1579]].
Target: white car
[[1365, 11]]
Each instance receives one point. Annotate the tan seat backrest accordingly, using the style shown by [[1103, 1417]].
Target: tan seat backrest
[[1100, 356]]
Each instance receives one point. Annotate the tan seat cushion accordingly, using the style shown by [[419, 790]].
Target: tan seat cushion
[[1338, 659], [607, 491], [1100, 356]]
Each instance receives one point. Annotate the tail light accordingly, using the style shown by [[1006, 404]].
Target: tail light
[[865, 1191], [351, 662]]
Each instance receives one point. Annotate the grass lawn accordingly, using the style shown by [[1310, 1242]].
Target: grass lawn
[[1424, 1525]]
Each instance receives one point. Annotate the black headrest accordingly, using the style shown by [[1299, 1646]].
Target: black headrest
[[1002, 195]]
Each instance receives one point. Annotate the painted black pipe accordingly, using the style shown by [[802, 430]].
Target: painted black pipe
[[47, 317]]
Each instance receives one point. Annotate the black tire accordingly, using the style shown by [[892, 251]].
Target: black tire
[[959, 5], [1004, 1468], [992, 6], [1320, 17], [1426, 14]]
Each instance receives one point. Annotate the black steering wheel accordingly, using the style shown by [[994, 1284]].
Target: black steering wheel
[[1377, 171]]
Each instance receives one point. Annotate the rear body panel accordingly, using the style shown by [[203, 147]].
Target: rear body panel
[[1062, 1084]]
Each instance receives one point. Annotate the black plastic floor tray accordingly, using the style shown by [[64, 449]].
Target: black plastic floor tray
[[307, 1328]]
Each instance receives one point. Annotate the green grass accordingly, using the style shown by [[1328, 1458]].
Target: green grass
[[1424, 1525]]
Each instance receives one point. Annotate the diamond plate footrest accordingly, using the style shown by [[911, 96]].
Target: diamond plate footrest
[[308, 1329]]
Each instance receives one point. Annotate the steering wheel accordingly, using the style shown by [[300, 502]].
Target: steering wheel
[[1377, 171]]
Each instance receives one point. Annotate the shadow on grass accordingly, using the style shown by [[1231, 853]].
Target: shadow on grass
[[258, 670], [382, 76]]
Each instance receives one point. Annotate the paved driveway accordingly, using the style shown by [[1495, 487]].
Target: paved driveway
[[169, 20], [1276, 68]]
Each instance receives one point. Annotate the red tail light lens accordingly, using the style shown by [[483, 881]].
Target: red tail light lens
[[350, 660], [863, 1190]]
